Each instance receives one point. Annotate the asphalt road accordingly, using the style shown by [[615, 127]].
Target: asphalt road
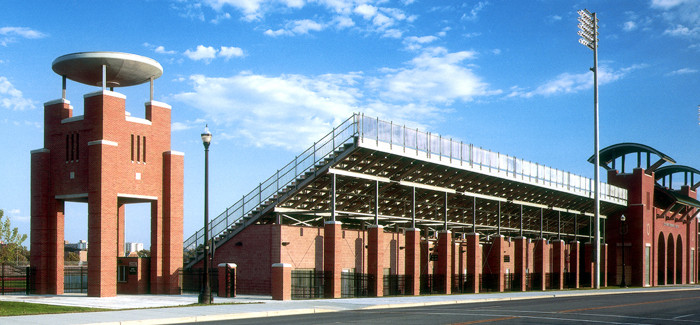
[[677, 307]]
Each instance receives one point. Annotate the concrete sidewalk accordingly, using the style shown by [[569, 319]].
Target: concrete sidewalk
[[148, 312]]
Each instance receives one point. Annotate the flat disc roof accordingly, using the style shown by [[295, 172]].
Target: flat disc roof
[[123, 69]]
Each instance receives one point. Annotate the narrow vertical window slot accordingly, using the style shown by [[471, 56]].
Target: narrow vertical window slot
[[132, 147], [72, 147], [138, 148], [77, 146], [67, 147], [144, 149]]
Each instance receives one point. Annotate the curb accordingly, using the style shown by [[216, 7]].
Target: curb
[[218, 317]]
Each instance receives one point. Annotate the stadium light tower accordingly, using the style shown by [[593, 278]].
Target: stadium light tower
[[588, 30]]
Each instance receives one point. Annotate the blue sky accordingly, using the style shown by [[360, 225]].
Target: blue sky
[[271, 77]]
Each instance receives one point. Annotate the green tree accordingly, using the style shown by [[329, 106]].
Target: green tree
[[72, 257], [10, 240], [144, 253]]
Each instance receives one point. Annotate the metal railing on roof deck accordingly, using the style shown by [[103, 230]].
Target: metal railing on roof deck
[[435, 147], [344, 134], [384, 133]]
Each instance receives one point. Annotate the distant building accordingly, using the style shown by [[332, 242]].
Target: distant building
[[132, 248], [81, 245]]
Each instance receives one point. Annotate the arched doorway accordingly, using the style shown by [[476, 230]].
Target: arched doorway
[[679, 260], [661, 260], [670, 263]]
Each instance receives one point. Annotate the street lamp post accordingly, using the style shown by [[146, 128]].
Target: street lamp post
[[205, 296], [588, 25], [623, 231]]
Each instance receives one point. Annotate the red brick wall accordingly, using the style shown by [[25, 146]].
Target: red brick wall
[[92, 156]]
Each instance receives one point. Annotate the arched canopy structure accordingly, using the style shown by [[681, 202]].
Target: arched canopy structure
[[609, 154], [668, 171]]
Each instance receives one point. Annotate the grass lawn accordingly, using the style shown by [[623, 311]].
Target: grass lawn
[[12, 308]]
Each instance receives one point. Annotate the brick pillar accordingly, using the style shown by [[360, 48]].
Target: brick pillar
[[102, 219], [332, 235], [443, 269], [542, 262], [281, 277], [604, 265], [461, 265], [375, 260], [173, 218], [588, 263], [473, 261], [412, 261], [120, 230], [558, 263], [227, 272], [495, 261], [574, 262], [521, 262]]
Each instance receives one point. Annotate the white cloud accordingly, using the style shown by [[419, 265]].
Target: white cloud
[[572, 83], [343, 22], [209, 53], [230, 51], [10, 34], [683, 71], [473, 14], [182, 126], [263, 109], [435, 76], [629, 26], [416, 43], [366, 11], [667, 4], [296, 27], [11, 98], [16, 216], [680, 31], [161, 49], [683, 17], [206, 53]]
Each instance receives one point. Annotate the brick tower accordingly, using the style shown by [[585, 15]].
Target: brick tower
[[107, 159]]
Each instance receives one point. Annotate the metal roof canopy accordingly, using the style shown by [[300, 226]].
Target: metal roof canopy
[[122, 69], [610, 153], [662, 172], [444, 194]]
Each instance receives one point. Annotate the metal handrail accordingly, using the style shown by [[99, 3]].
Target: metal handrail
[[306, 162], [398, 137], [435, 147]]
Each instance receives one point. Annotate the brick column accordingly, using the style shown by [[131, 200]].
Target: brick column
[[281, 277], [332, 235], [102, 219], [120, 230], [375, 260], [227, 271], [604, 265], [542, 262], [443, 269], [558, 263], [473, 261], [495, 260], [412, 261], [588, 263], [173, 218], [574, 262], [521, 262], [461, 265]]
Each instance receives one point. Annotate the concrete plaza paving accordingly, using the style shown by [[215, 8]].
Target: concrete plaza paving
[[165, 309]]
